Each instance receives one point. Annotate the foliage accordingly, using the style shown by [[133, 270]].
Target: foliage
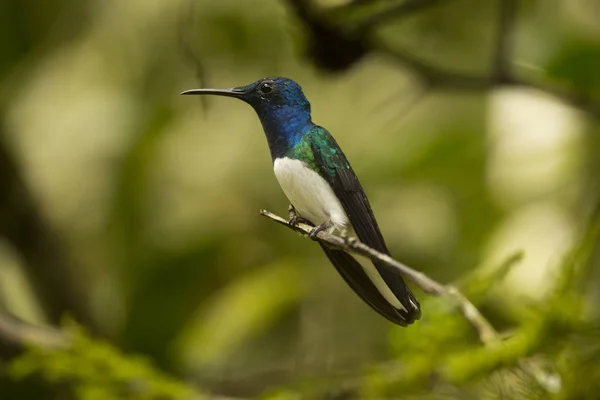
[[95, 370]]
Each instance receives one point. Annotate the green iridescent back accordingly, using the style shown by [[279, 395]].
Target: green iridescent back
[[319, 139]]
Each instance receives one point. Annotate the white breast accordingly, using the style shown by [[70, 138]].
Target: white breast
[[309, 193], [314, 200]]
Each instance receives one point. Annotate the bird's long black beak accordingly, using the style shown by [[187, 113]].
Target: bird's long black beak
[[233, 92]]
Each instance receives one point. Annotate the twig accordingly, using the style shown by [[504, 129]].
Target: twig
[[487, 334], [485, 330], [186, 24], [503, 50], [352, 245], [16, 335]]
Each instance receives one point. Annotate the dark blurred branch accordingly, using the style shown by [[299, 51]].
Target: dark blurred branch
[[44, 259], [487, 334], [435, 77], [329, 46], [185, 26], [501, 59], [334, 47], [443, 79]]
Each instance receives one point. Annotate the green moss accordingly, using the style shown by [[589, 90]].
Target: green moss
[[95, 370]]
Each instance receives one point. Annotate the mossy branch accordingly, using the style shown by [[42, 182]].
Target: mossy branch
[[90, 367], [16, 336]]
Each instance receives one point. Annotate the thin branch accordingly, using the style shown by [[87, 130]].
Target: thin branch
[[186, 24], [16, 336], [502, 55], [412, 100], [438, 78], [487, 334], [360, 40], [352, 245]]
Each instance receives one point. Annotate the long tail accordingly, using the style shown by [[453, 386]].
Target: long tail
[[356, 277]]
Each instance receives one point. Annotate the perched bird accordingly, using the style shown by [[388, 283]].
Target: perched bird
[[317, 179]]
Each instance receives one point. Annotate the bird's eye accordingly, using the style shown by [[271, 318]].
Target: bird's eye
[[266, 88]]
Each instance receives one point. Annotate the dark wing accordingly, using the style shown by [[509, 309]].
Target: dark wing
[[355, 277], [336, 170]]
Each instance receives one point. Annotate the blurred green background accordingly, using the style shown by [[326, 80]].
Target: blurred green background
[[134, 211]]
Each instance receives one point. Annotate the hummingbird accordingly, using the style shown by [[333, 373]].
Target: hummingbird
[[323, 190]]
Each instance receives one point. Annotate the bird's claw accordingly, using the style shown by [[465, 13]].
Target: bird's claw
[[291, 213], [314, 232], [295, 219], [350, 241]]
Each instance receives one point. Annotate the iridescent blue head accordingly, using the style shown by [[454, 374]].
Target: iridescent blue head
[[281, 106]]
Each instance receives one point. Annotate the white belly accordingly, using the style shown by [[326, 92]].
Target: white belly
[[313, 199], [309, 193]]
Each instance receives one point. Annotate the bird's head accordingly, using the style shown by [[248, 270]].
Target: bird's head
[[266, 95], [279, 102]]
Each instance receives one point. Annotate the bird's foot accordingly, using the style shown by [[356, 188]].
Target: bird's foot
[[296, 219], [292, 212], [315, 231], [348, 240]]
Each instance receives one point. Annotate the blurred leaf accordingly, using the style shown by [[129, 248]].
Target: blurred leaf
[[126, 223], [577, 63], [165, 296], [480, 281], [281, 395], [249, 305]]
